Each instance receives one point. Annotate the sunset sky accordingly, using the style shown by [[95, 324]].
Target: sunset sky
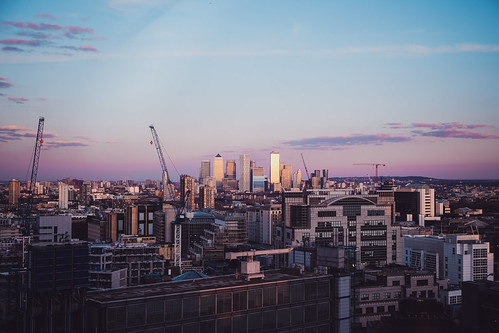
[[414, 85]]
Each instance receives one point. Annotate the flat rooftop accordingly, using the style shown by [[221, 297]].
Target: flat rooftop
[[181, 287]]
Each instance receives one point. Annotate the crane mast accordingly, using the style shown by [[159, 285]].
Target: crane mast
[[161, 160], [26, 211], [376, 165]]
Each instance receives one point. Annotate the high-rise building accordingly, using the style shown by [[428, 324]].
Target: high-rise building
[[297, 179], [63, 195], [252, 164], [218, 169], [187, 184], [204, 171], [167, 189], [230, 169], [416, 202], [257, 179], [274, 167], [244, 173], [206, 197], [14, 191], [286, 179]]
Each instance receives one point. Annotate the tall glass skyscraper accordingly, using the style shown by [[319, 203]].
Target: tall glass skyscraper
[[274, 167], [218, 169], [244, 173]]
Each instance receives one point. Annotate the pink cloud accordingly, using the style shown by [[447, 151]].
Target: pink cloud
[[62, 143], [14, 128], [448, 125], [339, 142], [77, 30], [15, 41], [4, 83], [19, 100], [49, 16], [42, 99], [80, 48]]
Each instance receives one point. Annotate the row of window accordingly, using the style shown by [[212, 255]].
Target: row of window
[[374, 222], [379, 309], [373, 243], [376, 296], [329, 224], [373, 232], [326, 213]]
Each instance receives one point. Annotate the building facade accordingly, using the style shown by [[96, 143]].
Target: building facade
[[244, 173], [274, 168], [218, 169]]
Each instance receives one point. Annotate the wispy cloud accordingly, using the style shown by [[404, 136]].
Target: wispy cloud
[[457, 133], [334, 142], [19, 100], [80, 48], [62, 143], [448, 125], [13, 128], [34, 26], [15, 132], [12, 49], [45, 15], [15, 41], [4, 83]]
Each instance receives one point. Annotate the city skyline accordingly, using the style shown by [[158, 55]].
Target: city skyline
[[413, 86]]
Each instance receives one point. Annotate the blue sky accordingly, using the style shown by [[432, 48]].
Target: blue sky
[[412, 85]]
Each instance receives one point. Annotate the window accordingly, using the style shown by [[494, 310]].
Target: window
[[155, 312], [391, 308], [224, 325], [269, 296], [190, 307], [377, 212], [239, 324], [323, 311], [297, 292], [396, 283], [254, 298], [254, 322], [310, 290], [141, 216], [380, 309], [207, 306], [283, 317], [136, 314], [283, 294], [376, 296], [364, 297], [297, 315], [269, 320], [396, 294], [310, 313], [326, 213], [239, 300], [386, 295], [370, 310], [115, 317], [173, 309], [422, 282], [224, 303]]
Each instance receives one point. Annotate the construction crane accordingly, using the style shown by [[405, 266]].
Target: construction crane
[[166, 186], [27, 205], [376, 165], [306, 170]]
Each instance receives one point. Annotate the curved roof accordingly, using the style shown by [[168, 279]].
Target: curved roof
[[349, 201]]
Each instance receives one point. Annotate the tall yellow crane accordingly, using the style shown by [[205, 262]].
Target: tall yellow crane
[[376, 165]]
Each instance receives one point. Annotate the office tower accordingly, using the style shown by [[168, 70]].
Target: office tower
[[218, 169], [257, 179], [163, 228], [206, 197], [297, 179], [230, 169], [274, 167], [252, 164], [14, 191], [244, 173], [187, 184], [63, 195], [286, 176], [204, 171]]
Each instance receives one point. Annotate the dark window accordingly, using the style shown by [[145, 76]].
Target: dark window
[[239, 324], [269, 296], [380, 309], [155, 312], [297, 292], [377, 212], [391, 308], [190, 328], [283, 294], [254, 322], [136, 314], [254, 298], [283, 317], [422, 282], [175, 329], [207, 305], [190, 307], [115, 317], [396, 283], [224, 325], [323, 289], [269, 320], [240, 300], [370, 310], [310, 290], [224, 303], [173, 309], [326, 213], [310, 313], [297, 315], [323, 311], [207, 326]]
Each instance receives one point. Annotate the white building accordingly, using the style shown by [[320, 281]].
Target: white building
[[244, 173], [54, 229], [63, 195]]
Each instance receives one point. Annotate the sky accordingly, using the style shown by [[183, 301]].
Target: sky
[[413, 85]]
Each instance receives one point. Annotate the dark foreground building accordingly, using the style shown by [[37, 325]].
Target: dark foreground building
[[282, 302]]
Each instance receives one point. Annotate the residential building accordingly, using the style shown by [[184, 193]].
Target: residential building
[[244, 173], [187, 183], [14, 191], [63, 195], [206, 197]]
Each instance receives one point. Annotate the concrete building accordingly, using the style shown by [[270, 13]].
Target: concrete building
[[53, 229], [139, 219], [14, 191], [283, 302], [257, 183], [262, 222], [416, 203], [218, 170], [206, 197], [328, 218], [63, 195], [163, 224], [457, 258], [187, 183], [274, 168], [244, 173]]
